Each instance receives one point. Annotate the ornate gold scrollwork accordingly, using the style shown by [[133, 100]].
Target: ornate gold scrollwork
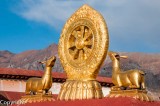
[[83, 44]]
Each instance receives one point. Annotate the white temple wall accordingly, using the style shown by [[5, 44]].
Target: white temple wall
[[20, 85]]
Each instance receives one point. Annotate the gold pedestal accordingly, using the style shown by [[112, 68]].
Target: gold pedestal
[[134, 93], [77, 89], [36, 98]]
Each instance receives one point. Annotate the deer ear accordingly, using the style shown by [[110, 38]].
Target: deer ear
[[42, 62], [125, 57], [51, 57]]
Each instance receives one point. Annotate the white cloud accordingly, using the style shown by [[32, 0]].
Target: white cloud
[[51, 12], [129, 21]]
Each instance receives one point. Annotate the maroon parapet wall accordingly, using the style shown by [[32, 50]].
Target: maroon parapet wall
[[96, 102]]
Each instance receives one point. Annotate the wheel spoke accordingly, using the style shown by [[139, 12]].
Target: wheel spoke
[[74, 33], [87, 51], [81, 55], [79, 35], [88, 43], [85, 56], [76, 54], [82, 31], [87, 34]]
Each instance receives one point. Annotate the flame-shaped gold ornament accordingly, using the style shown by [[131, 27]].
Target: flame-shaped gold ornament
[[82, 48]]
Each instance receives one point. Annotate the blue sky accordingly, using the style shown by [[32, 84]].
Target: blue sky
[[134, 25]]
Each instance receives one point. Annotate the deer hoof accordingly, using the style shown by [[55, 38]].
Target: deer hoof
[[50, 93], [43, 92]]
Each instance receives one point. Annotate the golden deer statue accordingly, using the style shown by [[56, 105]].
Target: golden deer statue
[[41, 85], [132, 79]]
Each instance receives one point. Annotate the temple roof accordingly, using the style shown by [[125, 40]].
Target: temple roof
[[12, 73]]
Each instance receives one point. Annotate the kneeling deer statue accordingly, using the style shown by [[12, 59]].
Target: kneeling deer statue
[[132, 79], [41, 85]]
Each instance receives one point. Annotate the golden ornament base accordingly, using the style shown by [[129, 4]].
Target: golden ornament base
[[36, 98], [134, 93], [77, 89]]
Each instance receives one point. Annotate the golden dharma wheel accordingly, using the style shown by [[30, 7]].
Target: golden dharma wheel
[[83, 44]]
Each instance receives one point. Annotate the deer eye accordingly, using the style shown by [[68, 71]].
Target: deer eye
[[117, 56]]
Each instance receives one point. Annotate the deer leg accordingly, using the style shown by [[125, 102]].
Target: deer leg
[[137, 84], [39, 92], [132, 86], [143, 86], [115, 88], [44, 92], [135, 81], [142, 83], [28, 92], [49, 92]]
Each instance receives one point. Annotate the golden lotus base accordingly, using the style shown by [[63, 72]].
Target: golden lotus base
[[134, 93], [77, 89], [36, 98]]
